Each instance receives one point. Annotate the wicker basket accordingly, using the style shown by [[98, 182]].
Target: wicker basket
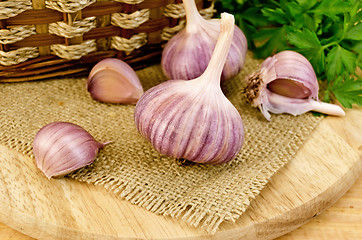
[[41, 39]]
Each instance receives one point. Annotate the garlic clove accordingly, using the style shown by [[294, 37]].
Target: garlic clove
[[114, 81], [187, 54], [289, 88], [60, 148], [286, 83], [192, 119], [105, 86]]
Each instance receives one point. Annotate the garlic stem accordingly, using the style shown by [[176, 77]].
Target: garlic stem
[[218, 58], [327, 108], [193, 16]]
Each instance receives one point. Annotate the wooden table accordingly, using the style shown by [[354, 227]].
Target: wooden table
[[343, 220]]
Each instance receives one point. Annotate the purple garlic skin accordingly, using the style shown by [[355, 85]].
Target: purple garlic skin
[[187, 54], [114, 81], [192, 119], [60, 148], [190, 125], [290, 65], [286, 83]]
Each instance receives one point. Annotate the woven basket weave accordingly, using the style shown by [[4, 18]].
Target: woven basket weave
[[41, 39]]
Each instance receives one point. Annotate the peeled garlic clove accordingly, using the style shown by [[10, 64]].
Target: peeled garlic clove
[[192, 119], [114, 81], [286, 83], [60, 148], [187, 54]]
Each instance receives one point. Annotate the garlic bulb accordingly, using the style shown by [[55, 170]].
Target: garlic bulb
[[192, 119], [286, 83], [187, 54], [114, 81], [61, 147]]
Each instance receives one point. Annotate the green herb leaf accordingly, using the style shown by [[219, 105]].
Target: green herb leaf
[[355, 33], [338, 61], [253, 16], [271, 40], [307, 4], [275, 15], [331, 8], [303, 38], [294, 10], [358, 49], [354, 12], [348, 91], [309, 22]]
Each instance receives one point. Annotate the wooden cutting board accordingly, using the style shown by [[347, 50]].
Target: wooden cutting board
[[323, 170]]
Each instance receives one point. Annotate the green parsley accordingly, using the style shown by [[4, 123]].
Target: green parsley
[[327, 32]]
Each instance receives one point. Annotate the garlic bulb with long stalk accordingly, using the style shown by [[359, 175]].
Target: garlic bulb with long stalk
[[192, 119], [286, 83], [61, 147], [187, 54], [114, 81]]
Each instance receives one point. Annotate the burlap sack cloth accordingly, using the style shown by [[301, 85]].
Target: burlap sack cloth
[[203, 195]]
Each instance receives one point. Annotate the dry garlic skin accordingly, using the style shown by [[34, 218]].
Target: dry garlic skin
[[60, 148], [188, 53], [112, 89], [184, 119], [186, 56], [114, 81], [292, 66]]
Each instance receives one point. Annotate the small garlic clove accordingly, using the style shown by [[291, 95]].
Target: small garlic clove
[[114, 81], [286, 83], [192, 119], [60, 148], [187, 54]]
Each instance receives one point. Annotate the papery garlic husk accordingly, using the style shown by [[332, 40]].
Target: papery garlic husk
[[60, 148], [287, 83], [113, 81], [192, 119], [187, 54]]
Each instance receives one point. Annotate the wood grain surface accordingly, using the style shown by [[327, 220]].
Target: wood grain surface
[[326, 166], [341, 221]]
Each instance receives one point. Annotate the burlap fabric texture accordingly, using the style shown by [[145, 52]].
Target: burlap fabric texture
[[203, 195]]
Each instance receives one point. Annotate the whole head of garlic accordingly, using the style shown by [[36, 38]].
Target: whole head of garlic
[[61, 147], [187, 54], [193, 119], [114, 81], [286, 83]]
